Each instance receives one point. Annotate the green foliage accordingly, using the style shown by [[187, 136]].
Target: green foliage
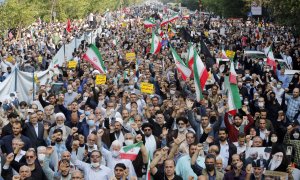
[[21, 13], [226, 8], [191, 4]]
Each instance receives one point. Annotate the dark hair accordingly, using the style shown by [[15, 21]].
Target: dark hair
[[23, 103], [193, 144], [184, 119], [210, 156], [159, 112], [242, 135], [120, 165], [57, 130], [12, 115], [223, 129], [18, 122], [147, 125]]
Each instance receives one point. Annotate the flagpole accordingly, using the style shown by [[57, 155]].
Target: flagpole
[[16, 79]]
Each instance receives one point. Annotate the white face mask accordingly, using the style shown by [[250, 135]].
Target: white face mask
[[274, 139], [60, 125], [296, 135], [278, 86], [246, 102], [94, 165], [85, 98], [41, 157], [261, 104], [70, 91], [115, 154], [128, 142], [131, 86], [172, 92]]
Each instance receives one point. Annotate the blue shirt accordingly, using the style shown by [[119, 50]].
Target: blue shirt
[[283, 78], [184, 169]]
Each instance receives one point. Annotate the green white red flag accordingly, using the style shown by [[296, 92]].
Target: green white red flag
[[233, 95], [149, 23], [200, 75], [181, 67], [155, 44], [131, 151], [94, 57]]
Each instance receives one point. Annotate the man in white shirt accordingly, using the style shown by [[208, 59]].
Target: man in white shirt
[[240, 145], [94, 170]]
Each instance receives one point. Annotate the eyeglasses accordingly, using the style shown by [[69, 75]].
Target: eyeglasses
[[29, 157]]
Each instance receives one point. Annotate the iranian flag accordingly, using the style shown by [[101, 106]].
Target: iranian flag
[[115, 42], [271, 59], [190, 60], [200, 75], [94, 57], [160, 32], [167, 20], [181, 67], [149, 23], [232, 75], [148, 173], [174, 17], [131, 151], [155, 44], [233, 95], [186, 16]]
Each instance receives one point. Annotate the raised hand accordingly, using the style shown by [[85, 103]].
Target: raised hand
[[10, 157], [49, 150], [100, 133], [74, 130], [189, 104]]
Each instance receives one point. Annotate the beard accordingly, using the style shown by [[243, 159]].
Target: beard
[[274, 164]]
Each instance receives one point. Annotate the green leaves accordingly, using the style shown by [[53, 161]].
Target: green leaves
[[22, 13]]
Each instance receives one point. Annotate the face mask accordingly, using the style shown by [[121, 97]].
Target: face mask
[[247, 75], [260, 63], [59, 125], [246, 103], [115, 154], [22, 110], [248, 85], [131, 86], [278, 86], [41, 157], [94, 165], [296, 135], [91, 122], [87, 113], [209, 167], [241, 98], [181, 129], [128, 142], [172, 92], [261, 104], [274, 139], [85, 98], [70, 91]]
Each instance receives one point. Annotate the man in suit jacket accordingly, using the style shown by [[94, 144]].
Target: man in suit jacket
[[227, 148], [7, 140], [34, 130]]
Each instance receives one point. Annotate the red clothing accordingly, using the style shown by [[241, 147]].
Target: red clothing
[[233, 132]]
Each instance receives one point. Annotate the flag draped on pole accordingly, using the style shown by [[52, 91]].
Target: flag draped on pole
[[131, 151], [232, 74], [271, 59], [181, 67], [155, 44], [68, 28], [200, 75], [148, 173], [94, 57], [149, 23], [233, 95]]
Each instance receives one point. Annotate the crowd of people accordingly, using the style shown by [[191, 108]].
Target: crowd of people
[[77, 129]]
